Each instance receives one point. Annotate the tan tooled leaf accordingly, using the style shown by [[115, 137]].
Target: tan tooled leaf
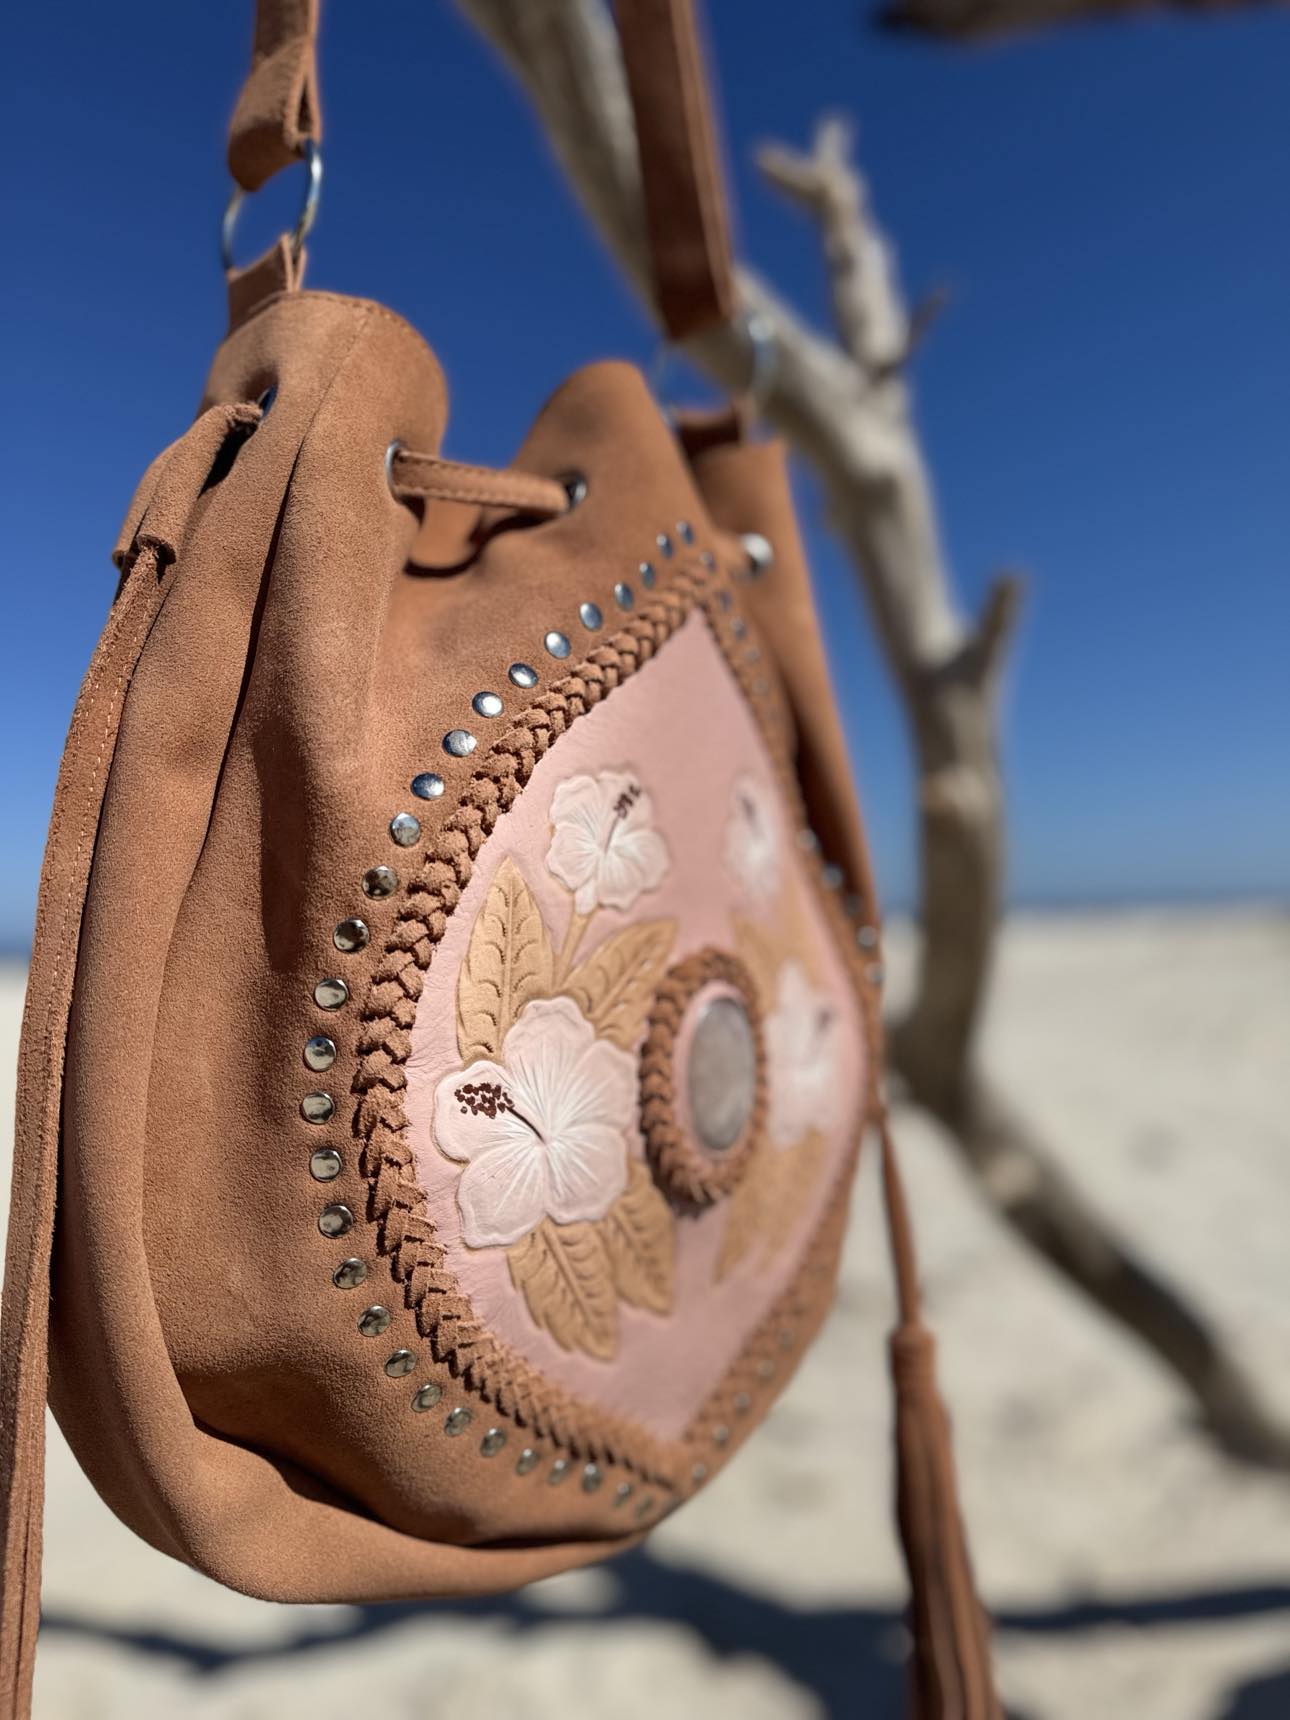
[[508, 962], [615, 985], [758, 949], [791, 1179], [745, 1212], [640, 1235], [563, 1273], [769, 1202]]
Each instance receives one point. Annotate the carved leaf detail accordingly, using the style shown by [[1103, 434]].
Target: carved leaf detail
[[640, 1236], [615, 985], [744, 1213], [563, 1273], [792, 1179], [759, 951], [769, 1202], [508, 962]]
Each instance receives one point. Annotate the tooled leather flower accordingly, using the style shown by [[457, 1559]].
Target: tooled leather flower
[[804, 1046], [542, 1131], [604, 845], [751, 847]]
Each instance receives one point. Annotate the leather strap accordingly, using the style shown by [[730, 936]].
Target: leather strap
[[277, 111], [685, 204], [78, 801]]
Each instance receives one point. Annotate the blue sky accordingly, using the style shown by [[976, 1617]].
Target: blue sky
[[1105, 403]]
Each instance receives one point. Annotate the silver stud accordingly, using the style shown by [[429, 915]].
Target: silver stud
[[526, 1461], [873, 973], [486, 705], [575, 488], [787, 1338], [664, 543], [699, 1473], [559, 1469], [742, 1403], [320, 1052], [331, 993], [752, 654], [867, 937], [624, 596], [646, 571], [765, 1369], [350, 935], [380, 881], [622, 1493], [831, 877], [492, 1442], [428, 785], [325, 1165], [374, 1320], [424, 1397], [760, 553], [590, 616], [335, 1220], [557, 645], [349, 1274], [456, 1421], [317, 1107], [459, 742], [644, 1508], [522, 675], [761, 686], [591, 1477], [807, 840], [685, 531], [401, 1363], [708, 559], [726, 599], [738, 626], [721, 1434], [405, 828]]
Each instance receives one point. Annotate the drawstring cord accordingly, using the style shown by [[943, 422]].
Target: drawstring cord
[[425, 477]]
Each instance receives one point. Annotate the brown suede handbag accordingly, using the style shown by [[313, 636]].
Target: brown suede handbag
[[454, 1009]]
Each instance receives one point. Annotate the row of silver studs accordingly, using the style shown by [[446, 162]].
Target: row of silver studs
[[460, 743], [352, 935]]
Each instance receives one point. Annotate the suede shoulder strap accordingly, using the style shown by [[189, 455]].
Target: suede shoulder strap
[[278, 112]]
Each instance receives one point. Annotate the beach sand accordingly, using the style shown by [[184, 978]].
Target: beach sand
[[1133, 1572]]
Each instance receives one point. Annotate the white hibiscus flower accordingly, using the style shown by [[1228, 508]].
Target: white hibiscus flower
[[605, 847], [751, 847], [542, 1131], [804, 1052]]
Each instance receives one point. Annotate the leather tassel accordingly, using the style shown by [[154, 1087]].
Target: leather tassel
[[951, 1661]]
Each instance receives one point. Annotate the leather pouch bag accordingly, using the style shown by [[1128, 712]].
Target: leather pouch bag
[[454, 1010]]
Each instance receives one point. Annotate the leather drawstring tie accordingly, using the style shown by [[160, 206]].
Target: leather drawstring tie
[[425, 477], [951, 1669]]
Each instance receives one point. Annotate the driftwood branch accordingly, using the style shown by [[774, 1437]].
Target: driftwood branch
[[973, 20], [844, 407]]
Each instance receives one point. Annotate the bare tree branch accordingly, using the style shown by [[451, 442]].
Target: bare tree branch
[[846, 410], [868, 309], [972, 20]]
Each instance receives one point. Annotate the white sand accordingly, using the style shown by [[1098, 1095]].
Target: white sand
[[1152, 1050]]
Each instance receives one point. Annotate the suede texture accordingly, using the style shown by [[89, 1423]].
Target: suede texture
[[301, 671]]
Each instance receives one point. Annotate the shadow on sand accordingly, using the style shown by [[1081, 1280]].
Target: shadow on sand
[[848, 1658]]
